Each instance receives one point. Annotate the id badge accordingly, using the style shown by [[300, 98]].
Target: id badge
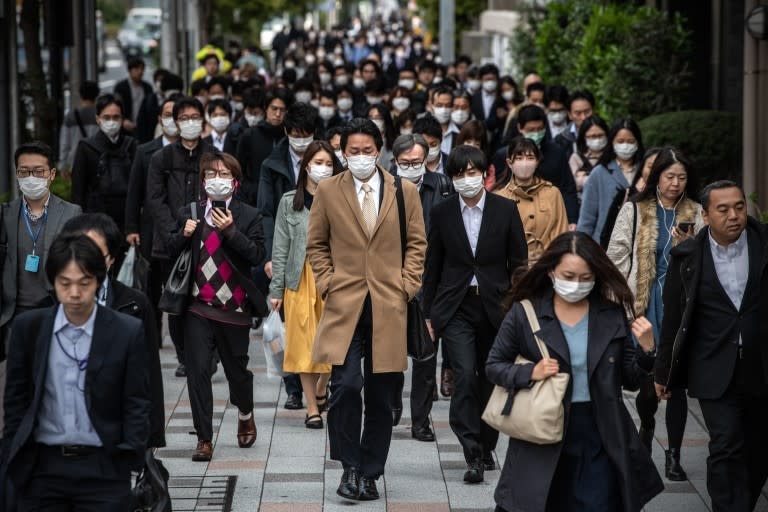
[[32, 264]]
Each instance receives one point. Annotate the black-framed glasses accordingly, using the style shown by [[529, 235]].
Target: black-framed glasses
[[410, 165], [183, 119], [37, 172], [212, 173]]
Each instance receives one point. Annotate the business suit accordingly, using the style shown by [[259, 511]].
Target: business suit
[[365, 290], [699, 349], [59, 212], [232, 137], [468, 317], [117, 399], [123, 91]]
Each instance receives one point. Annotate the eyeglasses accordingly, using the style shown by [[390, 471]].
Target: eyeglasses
[[37, 172], [410, 165], [212, 173], [183, 119]]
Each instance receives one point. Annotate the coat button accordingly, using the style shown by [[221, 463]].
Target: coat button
[[531, 216], [611, 359]]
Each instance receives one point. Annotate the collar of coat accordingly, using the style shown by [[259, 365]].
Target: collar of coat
[[526, 192], [647, 237]]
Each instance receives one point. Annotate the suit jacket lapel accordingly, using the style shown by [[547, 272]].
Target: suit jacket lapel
[[486, 224], [461, 231], [42, 350], [99, 346], [13, 213], [386, 199], [53, 222], [350, 194]]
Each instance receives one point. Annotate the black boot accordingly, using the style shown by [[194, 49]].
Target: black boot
[[672, 467], [646, 436]]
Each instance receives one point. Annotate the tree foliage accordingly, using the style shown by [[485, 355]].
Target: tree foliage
[[633, 59], [467, 13], [245, 17]]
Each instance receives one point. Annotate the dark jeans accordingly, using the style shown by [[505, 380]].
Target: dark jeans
[[367, 452], [738, 447], [647, 404], [468, 338], [231, 342]]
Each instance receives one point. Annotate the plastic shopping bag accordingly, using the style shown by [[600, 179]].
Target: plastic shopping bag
[[125, 275], [273, 339]]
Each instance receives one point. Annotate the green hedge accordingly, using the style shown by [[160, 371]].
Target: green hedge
[[711, 139]]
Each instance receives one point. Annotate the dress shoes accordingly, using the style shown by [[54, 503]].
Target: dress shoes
[[488, 463], [446, 382], [423, 434], [672, 468], [475, 471], [293, 402], [397, 413], [349, 487], [203, 452], [181, 370], [368, 490], [246, 432]]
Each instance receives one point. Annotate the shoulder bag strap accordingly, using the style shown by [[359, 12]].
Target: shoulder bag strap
[[534, 322], [79, 121], [401, 213], [634, 232]]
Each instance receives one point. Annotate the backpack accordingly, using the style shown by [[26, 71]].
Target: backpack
[[113, 169]]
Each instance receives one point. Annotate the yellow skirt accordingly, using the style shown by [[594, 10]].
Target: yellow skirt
[[303, 308]]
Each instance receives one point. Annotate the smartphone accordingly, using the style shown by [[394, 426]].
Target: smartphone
[[684, 226], [219, 205]]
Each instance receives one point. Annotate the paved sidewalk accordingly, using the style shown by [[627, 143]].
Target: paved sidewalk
[[289, 470]]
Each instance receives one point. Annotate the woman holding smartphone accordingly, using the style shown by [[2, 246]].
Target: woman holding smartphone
[[648, 226]]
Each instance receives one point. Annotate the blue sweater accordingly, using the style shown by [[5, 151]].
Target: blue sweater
[[599, 192]]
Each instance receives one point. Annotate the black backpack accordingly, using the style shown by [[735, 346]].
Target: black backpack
[[113, 169]]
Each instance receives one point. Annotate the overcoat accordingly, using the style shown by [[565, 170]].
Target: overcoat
[[613, 363], [349, 264]]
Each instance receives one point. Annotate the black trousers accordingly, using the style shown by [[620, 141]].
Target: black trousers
[[84, 484], [367, 450], [468, 338], [647, 404], [175, 322], [737, 465], [231, 342], [422, 384]]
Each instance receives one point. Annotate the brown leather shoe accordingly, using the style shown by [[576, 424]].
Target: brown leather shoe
[[446, 382], [203, 452], [246, 432]]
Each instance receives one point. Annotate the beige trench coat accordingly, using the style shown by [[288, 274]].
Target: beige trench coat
[[348, 265]]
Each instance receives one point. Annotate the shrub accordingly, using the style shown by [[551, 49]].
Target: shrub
[[711, 139]]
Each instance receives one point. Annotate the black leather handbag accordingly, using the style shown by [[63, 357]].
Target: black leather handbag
[[150, 494], [175, 295], [421, 347]]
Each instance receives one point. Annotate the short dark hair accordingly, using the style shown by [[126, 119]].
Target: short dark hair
[[558, 93], [427, 64], [328, 93], [536, 86], [706, 192], [474, 129], [213, 104], [363, 126], [581, 95], [529, 113], [102, 224], [487, 69], [428, 125], [462, 156], [170, 82], [80, 249], [521, 146], [332, 132], [136, 62], [187, 102], [301, 117], [106, 100], [36, 147], [198, 86], [207, 160], [89, 90], [278, 93]]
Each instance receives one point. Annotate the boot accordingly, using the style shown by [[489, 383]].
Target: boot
[[672, 468], [646, 436]]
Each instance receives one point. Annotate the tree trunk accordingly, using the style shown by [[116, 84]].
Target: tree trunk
[[34, 84]]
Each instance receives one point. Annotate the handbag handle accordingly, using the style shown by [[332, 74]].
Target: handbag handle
[[193, 210], [535, 327]]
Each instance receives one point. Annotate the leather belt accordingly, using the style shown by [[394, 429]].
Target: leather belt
[[74, 450]]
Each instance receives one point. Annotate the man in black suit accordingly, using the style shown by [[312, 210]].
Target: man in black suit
[[713, 340], [487, 105], [476, 242], [133, 91], [77, 397]]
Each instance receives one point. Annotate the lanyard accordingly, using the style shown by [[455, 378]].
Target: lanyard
[[34, 236]]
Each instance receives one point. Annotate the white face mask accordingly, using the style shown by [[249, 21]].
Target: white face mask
[[380, 125], [373, 100], [358, 82], [406, 131], [190, 130], [253, 120], [219, 188], [508, 95], [238, 106], [217, 97], [303, 97], [572, 291], [400, 103], [434, 154], [220, 123], [341, 80], [326, 113], [468, 187], [523, 170], [625, 151], [442, 114], [459, 116], [33, 188], [169, 126], [597, 144], [318, 173], [408, 83], [411, 173], [362, 166], [345, 104], [489, 86], [559, 117], [325, 78], [110, 128], [300, 144], [473, 85]]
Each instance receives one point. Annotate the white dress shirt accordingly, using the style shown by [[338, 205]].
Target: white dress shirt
[[473, 219], [732, 266], [488, 101], [218, 139], [375, 184], [296, 162]]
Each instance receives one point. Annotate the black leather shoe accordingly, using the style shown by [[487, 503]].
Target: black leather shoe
[[293, 402], [672, 469], [475, 471], [349, 487], [489, 464], [181, 370], [368, 490], [646, 437], [423, 434], [397, 413]]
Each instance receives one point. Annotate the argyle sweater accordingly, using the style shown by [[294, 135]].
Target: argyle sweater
[[217, 294]]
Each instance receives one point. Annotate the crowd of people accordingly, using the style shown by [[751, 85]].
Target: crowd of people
[[356, 174]]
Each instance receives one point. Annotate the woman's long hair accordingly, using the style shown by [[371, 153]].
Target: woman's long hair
[[610, 284], [301, 183], [665, 159]]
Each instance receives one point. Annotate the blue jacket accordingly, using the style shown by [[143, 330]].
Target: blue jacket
[[599, 192]]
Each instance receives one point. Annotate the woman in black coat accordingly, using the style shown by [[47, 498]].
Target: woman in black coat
[[581, 302]]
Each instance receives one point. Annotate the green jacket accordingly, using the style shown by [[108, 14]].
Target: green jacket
[[289, 247]]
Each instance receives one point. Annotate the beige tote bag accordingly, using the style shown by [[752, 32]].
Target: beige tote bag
[[533, 414]]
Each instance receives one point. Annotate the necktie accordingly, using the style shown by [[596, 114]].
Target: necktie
[[369, 209]]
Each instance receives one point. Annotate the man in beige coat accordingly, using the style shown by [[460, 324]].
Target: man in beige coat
[[354, 247]]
